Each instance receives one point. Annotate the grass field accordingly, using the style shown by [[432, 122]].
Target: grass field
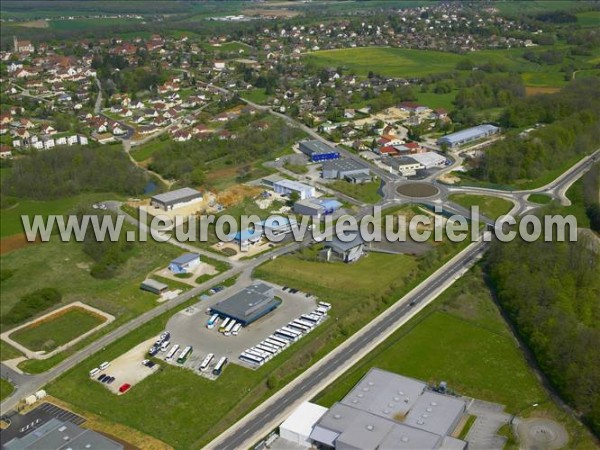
[[577, 207], [11, 217], [86, 24], [257, 95], [492, 207], [434, 100], [541, 199], [145, 151], [5, 389], [589, 19], [463, 340], [366, 192], [8, 351], [57, 330]]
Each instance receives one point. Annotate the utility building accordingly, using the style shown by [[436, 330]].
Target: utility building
[[185, 263], [346, 169], [318, 151], [176, 199], [286, 187], [470, 134]]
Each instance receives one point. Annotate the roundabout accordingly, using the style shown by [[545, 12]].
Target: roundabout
[[417, 190]]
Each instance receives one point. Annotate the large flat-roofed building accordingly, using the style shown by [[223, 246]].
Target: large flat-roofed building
[[346, 251], [276, 225], [298, 426], [389, 411], [317, 206], [58, 435], [318, 151], [248, 304], [404, 165], [347, 168], [285, 187], [429, 160], [470, 134], [176, 199]]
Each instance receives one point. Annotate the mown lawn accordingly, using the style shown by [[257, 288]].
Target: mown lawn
[[541, 199], [56, 331], [8, 351], [433, 100], [5, 389], [492, 207], [257, 95], [461, 339]]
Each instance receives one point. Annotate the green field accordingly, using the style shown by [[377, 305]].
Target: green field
[[541, 199], [434, 100], [492, 207], [463, 340], [8, 351], [589, 19], [145, 151], [86, 24], [366, 192], [257, 95], [57, 331], [11, 217], [5, 389]]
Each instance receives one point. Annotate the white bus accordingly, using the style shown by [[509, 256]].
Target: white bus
[[320, 311], [172, 352], [310, 318], [292, 331], [224, 324], [278, 339], [287, 336], [206, 362], [164, 346], [184, 355], [229, 327], [254, 360], [212, 321], [269, 349], [298, 326], [275, 343], [306, 323], [272, 347], [219, 367], [258, 352], [326, 306], [236, 329]]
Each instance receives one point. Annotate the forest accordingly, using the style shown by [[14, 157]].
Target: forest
[[551, 292], [67, 171], [568, 127]]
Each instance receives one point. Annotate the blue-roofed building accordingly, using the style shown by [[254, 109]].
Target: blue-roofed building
[[317, 206], [470, 134], [185, 263], [246, 237], [318, 151]]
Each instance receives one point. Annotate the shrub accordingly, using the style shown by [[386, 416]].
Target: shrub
[[31, 304]]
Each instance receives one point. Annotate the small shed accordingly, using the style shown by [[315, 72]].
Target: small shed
[[153, 286]]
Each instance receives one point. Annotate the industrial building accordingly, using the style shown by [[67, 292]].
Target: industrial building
[[153, 286], [286, 187], [176, 199], [383, 411], [470, 134], [345, 251], [404, 165], [429, 160], [185, 263], [276, 225], [248, 304], [316, 207], [246, 237], [346, 169], [318, 151], [58, 435]]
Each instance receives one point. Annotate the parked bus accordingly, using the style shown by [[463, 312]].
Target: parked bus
[[250, 359], [229, 327], [295, 324], [184, 355], [220, 365], [236, 329], [320, 311], [326, 306], [310, 318], [207, 360], [224, 324], [212, 321], [306, 323], [275, 343], [287, 336], [172, 352], [289, 330], [277, 339], [267, 349], [258, 352], [271, 346]]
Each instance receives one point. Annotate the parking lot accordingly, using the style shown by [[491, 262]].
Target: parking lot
[[188, 327]]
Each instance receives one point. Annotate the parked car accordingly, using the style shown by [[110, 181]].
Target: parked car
[[124, 388]]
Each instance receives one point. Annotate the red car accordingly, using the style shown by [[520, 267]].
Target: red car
[[124, 388]]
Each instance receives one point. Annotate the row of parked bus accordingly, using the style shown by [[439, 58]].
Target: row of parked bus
[[284, 337], [229, 327], [203, 367]]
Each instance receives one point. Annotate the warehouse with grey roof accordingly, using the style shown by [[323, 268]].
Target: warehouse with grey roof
[[468, 135], [318, 151], [348, 169], [175, 199], [248, 304]]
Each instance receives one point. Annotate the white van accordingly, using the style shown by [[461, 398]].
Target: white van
[[104, 365], [164, 346], [94, 372]]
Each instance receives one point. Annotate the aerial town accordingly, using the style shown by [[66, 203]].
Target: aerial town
[[178, 264]]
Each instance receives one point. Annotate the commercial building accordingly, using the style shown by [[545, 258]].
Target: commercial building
[[389, 411], [58, 435], [153, 286], [316, 206], [248, 304], [276, 225], [404, 165], [429, 160], [185, 263], [246, 237], [176, 199], [345, 251], [318, 151], [348, 169], [270, 180], [286, 187], [470, 134]]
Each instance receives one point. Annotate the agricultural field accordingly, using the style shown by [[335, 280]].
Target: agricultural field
[[86, 24], [434, 100], [57, 330], [492, 207], [462, 339], [588, 19]]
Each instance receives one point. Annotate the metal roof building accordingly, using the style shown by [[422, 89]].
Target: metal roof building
[[298, 426], [316, 206], [343, 168], [248, 304], [156, 287], [389, 411], [468, 135], [286, 187], [174, 199], [318, 151], [58, 435]]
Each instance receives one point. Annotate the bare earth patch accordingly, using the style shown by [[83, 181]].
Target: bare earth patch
[[35, 24], [270, 12], [531, 90], [15, 242]]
